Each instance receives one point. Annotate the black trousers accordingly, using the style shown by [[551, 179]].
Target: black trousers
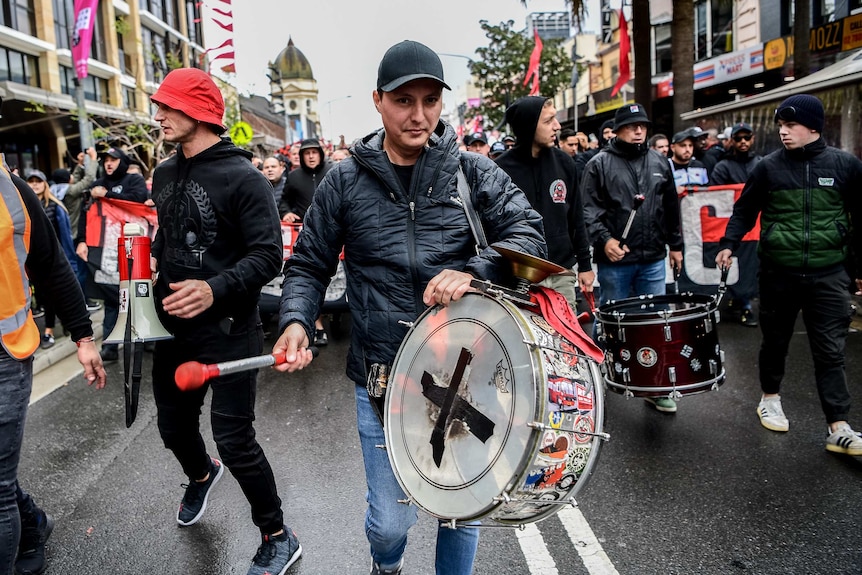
[[825, 304], [232, 413]]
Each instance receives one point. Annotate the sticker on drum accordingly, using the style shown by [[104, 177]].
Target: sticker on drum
[[488, 413], [647, 356]]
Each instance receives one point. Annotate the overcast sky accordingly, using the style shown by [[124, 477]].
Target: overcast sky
[[344, 41]]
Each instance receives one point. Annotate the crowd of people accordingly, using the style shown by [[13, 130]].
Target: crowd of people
[[544, 191]]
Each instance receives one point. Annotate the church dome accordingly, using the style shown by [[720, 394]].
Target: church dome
[[291, 64]]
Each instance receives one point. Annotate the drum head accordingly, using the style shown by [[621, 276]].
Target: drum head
[[456, 443], [644, 308]]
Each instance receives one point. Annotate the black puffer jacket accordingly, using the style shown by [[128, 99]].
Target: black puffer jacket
[[395, 241], [610, 183]]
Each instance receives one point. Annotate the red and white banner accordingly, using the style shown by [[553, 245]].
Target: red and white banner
[[82, 34], [704, 213]]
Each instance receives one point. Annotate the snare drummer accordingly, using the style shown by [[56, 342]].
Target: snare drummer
[[394, 207], [610, 182]]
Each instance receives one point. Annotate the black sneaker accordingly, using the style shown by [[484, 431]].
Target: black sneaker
[[275, 554], [109, 353], [47, 341], [38, 312], [320, 338], [93, 305], [377, 570], [31, 549], [194, 501], [747, 318]]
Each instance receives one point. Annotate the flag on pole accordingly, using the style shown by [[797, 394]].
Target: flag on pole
[[82, 34], [625, 56], [224, 19], [533, 68]]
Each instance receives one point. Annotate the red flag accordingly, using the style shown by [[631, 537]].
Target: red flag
[[625, 55], [82, 34], [533, 68]]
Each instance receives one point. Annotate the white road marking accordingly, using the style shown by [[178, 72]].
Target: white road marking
[[594, 557], [535, 551]]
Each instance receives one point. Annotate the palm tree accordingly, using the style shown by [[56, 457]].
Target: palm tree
[[801, 25], [683, 60]]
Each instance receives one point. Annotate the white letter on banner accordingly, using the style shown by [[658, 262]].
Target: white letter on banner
[[692, 235]]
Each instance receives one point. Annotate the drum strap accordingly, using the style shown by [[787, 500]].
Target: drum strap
[[557, 312], [472, 216]]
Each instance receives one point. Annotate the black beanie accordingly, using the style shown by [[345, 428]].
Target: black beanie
[[630, 114], [804, 109], [61, 176]]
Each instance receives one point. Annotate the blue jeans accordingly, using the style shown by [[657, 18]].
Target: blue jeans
[[16, 379], [386, 520], [621, 281]]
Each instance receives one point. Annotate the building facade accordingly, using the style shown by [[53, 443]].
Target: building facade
[[135, 44]]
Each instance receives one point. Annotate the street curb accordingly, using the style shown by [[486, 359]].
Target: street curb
[[64, 347]]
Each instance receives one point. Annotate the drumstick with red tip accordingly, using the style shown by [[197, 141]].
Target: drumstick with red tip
[[192, 374], [636, 203]]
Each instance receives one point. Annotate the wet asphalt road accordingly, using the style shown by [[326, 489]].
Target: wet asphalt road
[[704, 491]]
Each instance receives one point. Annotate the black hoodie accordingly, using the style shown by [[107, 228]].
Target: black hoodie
[[302, 182], [550, 184], [121, 185], [217, 222]]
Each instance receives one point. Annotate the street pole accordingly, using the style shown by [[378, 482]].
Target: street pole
[[329, 108], [85, 132]]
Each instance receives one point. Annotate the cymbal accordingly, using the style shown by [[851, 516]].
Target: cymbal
[[531, 268]]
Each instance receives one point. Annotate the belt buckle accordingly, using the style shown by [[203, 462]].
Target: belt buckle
[[378, 377]]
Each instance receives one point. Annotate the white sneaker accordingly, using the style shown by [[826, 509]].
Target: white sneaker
[[844, 440], [771, 415]]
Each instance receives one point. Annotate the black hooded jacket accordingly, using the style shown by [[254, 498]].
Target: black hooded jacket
[[551, 185], [218, 223], [121, 185], [610, 183], [302, 182]]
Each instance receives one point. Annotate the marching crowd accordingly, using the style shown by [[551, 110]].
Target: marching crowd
[[605, 206]]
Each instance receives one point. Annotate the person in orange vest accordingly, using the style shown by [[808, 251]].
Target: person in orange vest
[[29, 251]]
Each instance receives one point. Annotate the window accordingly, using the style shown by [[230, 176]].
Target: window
[[62, 15], [18, 15], [787, 17], [662, 62], [95, 88], [18, 67], [822, 12], [193, 20], [713, 28]]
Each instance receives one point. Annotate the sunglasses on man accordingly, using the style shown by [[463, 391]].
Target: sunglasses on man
[[746, 137]]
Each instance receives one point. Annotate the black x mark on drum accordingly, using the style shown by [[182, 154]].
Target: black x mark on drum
[[452, 406]]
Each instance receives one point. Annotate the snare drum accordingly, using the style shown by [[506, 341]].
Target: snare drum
[[491, 414], [661, 346]]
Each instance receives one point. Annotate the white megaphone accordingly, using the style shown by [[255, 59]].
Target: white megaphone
[[137, 303]]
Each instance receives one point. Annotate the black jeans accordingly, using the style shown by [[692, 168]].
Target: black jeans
[[232, 413], [825, 304]]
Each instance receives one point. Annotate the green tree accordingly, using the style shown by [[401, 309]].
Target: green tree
[[502, 66]]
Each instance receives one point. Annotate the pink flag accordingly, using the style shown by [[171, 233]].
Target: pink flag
[[82, 34]]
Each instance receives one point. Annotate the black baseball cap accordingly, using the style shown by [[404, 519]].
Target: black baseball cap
[[740, 127], [497, 148], [682, 136], [478, 137], [407, 61]]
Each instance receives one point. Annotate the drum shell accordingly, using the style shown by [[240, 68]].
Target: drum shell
[[520, 473], [661, 346]]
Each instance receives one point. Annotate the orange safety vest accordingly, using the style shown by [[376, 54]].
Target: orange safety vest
[[18, 332]]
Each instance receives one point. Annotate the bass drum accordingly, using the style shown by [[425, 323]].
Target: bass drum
[[491, 414]]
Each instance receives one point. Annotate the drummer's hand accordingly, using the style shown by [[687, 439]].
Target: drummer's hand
[[446, 287], [858, 286], [585, 280], [676, 261], [294, 344], [613, 251], [723, 259]]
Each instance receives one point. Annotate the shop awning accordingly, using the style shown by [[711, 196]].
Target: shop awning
[[846, 71]]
